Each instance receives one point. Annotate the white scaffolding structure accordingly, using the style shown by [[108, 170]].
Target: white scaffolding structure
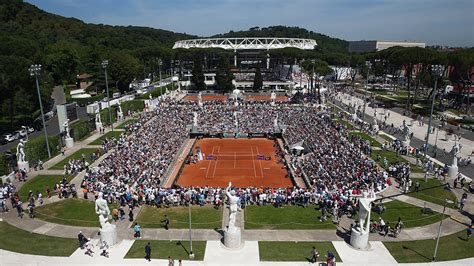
[[247, 43]]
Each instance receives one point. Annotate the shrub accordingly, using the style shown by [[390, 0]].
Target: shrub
[[35, 148], [135, 105], [3, 165], [80, 130]]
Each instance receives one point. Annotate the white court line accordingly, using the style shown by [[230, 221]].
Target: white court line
[[215, 166], [260, 162], [253, 161], [210, 162], [235, 159]]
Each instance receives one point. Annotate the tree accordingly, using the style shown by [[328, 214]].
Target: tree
[[463, 63], [316, 67], [257, 81], [62, 61], [123, 69], [224, 76], [198, 75], [356, 61]]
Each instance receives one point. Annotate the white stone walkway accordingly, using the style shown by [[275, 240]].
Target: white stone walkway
[[215, 255]]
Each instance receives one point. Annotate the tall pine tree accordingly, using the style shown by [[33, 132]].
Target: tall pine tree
[[224, 76], [257, 81], [198, 74]]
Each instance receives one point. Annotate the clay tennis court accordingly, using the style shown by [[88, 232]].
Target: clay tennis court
[[192, 98], [266, 98], [236, 160]]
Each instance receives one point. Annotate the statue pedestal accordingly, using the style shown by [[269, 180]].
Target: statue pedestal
[[354, 117], [406, 144], [232, 237], [359, 240], [453, 171], [98, 126], [109, 234], [24, 166], [151, 108], [69, 142], [200, 104]]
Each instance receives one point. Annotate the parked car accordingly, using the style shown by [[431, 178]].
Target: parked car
[[21, 133], [49, 115], [8, 137]]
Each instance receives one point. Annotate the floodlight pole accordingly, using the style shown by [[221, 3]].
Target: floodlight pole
[[191, 255], [35, 71], [446, 201], [105, 63]]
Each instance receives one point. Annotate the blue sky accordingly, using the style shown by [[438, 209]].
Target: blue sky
[[444, 22]]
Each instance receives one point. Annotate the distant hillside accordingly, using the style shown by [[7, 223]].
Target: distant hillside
[[325, 43], [25, 20]]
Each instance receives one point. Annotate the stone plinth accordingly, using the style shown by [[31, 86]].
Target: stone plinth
[[232, 237], [109, 234], [24, 166], [453, 171], [69, 142], [99, 126], [359, 240]]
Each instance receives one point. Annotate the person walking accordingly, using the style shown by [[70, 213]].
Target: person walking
[[468, 233], [170, 261], [136, 230], [314, 255], [130, 215], [166, 222], [148, 252]]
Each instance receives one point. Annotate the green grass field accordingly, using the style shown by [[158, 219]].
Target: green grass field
[[344, 122], [288, 217], [108, 135], [435, 195], [364, 136], [129, 121], [452, 247], [75, 212], [161, 249], [18, 240], [294, 251], [205, 217], [39, 183], [411, 215], [392, 158], [76, 156]]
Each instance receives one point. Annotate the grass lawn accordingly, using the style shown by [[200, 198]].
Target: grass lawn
[[18, 240], [435, 195], [411, 215], [161, 249], [392, 158], [288, 217], [75, 156], [108, 135], [129, 121], [364, 136], [75, 212], [39, 183], [386, 137], [344, 122], [452, 247], [294, 251], [205, 217]]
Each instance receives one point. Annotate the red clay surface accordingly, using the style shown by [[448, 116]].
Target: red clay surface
[[238, 163], [204, 98], [266, 98]]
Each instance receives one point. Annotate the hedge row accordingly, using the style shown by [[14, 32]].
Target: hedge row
[[35, 148], [3, 165], [134, 106], [157, 92], [80, 130]]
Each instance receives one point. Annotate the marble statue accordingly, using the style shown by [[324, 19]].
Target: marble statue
[[275, 121], [456, 150], [195, 119], [66, 129], [108, 232], [119, 113], [233, 201], [406, 132], [375, 125], [102, 210], [236, 119], [360, 235], [97, 117], [20, 151]]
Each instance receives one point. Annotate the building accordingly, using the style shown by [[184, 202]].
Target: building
[[377, 45]]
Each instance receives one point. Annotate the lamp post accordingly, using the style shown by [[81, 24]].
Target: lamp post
[[437, 71], [105, 63], [34, 72], [368, 64], [446, 201], [312, 76], [191, 254]]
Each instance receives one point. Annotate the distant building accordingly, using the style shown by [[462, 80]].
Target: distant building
[[376, 45]]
